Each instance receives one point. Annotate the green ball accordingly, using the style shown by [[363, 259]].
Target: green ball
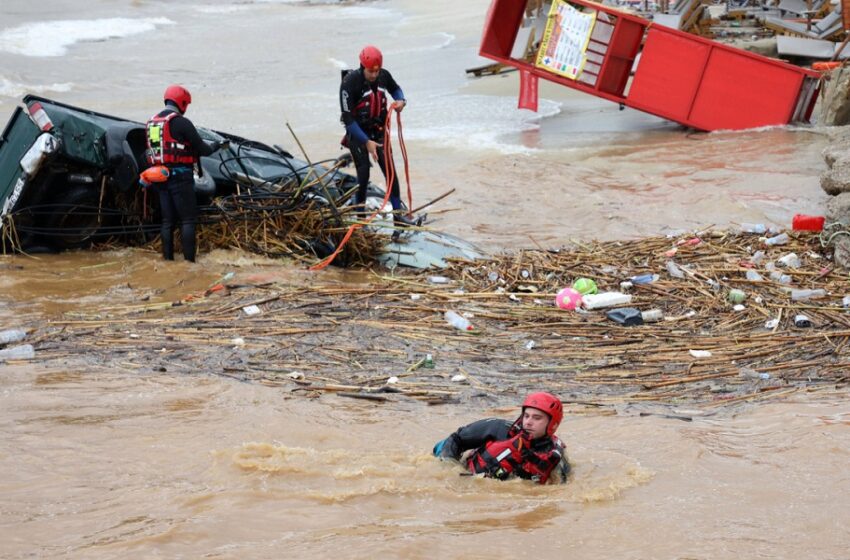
[[585, 286]]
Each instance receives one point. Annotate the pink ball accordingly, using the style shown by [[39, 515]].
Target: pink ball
[[568, 298]]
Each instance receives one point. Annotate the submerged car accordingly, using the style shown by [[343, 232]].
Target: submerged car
[[70, 176]]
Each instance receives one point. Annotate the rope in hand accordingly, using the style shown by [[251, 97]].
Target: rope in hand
[[390, 177]]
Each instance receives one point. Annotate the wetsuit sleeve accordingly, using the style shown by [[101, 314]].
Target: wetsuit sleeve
[[391, 86], [473, 436], [184, 131]]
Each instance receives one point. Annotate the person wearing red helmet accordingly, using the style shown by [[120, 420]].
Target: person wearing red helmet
[[526, 448], [174, 142], [363, 101]]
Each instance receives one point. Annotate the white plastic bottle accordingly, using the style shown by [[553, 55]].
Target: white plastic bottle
[[791, 260], [652, 316], [780, 239], [674, 270], [22, 352], [802, 295], [754, 276], [781, 278], [459, 322], [605, 299], [753, 228], [12, 335]]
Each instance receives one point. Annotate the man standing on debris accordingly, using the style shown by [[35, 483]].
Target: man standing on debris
[[363, 100], [527, 448], [174, 142]]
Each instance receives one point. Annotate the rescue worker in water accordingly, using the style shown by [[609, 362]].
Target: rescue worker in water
[[363, 101], [173, 141], [526, 448]]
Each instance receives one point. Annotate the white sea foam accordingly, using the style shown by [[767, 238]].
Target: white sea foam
[[475, 122], [222, 9], [341, 12], [9, 88], [337, 63], [52, 38], [448, 39]]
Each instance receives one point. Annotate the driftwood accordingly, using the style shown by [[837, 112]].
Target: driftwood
[[354, 339]]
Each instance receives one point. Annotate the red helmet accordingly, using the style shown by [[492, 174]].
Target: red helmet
[[179, 95], [371, 58], [548, 403]]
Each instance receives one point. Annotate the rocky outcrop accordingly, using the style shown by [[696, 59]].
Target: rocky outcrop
[[836, 179], [838, 209], [835, 104]]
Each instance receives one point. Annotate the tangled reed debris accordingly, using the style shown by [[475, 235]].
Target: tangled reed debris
[[371, 339]]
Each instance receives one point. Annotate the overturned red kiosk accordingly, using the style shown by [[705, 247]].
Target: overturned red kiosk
[[679, 76]]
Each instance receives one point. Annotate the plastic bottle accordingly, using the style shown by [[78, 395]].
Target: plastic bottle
[[779, 277], [438, 280], [605, 299], [754, 276], [757, 257], [12, 335], [429, 361], [801, 295], [791, 260], [459, 322], [652, 316], [846, 302], [780, 239], [644, 279], [674, 270], [753, 228], [22, 352]]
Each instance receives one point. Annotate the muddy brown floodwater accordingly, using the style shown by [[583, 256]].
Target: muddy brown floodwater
[[110, 462]]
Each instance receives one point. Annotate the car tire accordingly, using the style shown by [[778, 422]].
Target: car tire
[[75, 220]]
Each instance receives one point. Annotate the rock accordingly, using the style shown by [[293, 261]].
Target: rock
[[835, 105], [842, 251], [836, 152], [838, 209], [837, 179]]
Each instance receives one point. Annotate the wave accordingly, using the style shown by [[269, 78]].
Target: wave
[[52, 38], [476, 122], [9, 88]]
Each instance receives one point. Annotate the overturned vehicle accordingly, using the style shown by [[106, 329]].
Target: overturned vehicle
[[69, 177]]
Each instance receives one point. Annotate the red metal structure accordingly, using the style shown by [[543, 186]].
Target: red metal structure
[[681, 77]]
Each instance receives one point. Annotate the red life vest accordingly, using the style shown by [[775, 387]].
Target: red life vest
[[163, 148], [371, 111], [516, 456]]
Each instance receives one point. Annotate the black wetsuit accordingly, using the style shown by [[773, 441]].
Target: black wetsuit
[[364, 120], [475, 437], [177, 195]]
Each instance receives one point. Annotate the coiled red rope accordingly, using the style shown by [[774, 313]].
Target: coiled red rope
[[390, 167]]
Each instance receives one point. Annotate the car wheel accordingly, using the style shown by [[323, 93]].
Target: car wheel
[[75, 219]]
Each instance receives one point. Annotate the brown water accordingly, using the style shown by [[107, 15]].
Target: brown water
[[107, 464], [120, 464]]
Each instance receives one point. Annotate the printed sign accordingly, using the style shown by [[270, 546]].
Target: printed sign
[[565, 40]]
